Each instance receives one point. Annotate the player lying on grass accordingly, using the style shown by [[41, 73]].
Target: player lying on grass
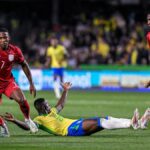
[[50, 121]]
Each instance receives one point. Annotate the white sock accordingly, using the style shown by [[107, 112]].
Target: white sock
[[115, 123], [56, 89], [119, 119]]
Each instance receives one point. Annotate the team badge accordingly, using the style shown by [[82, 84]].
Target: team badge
[[10, 57]]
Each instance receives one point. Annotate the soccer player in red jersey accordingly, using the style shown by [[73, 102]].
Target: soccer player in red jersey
[[148, 30], [9, 55], [148, 40]]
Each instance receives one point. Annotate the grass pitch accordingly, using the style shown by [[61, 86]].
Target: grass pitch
[[82, 104]]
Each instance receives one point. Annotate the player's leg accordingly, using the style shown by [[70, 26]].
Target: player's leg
[[56, 87], [4, 129], [61, 80], [0, 99], [56, 83], [2, 90], [19, 97], [14, 92], [91, 126], [134, 121], [61, 75], [116, 123], [83, 127]]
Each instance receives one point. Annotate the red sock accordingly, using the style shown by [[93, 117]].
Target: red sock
[[25, 108], [1, 121]]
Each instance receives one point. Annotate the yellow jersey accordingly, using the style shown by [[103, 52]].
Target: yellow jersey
[[103, 49], [57, 56], [53, 123]]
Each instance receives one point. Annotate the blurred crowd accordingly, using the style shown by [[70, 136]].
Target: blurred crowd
[[100, 39]]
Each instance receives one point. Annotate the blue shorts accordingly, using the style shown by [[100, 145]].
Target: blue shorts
[[75, 129], [58, 71]]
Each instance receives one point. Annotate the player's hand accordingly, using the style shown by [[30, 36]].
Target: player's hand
[[32, 90], [8, 117], [66, 86], [147, 84]]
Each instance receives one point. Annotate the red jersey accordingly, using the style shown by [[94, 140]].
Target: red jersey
[[148, 38], [7, 59]]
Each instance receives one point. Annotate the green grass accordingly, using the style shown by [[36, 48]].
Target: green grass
[[82, 104]]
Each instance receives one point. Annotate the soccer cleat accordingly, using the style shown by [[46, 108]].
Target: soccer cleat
[[135, 118], [144, 119], [4, 131], [31, 125]]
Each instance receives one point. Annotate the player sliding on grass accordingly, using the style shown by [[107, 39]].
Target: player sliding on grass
[[10, 55], [50, 121]]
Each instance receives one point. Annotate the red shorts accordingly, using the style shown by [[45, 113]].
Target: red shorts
[[8, 87]]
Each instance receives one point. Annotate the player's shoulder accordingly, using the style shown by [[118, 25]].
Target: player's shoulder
[[38, 118], [49, 48], [14, 47], [61, 46], [54, 110]]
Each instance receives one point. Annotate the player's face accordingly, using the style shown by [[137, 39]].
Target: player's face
[[4, 40], [148, 19], [46, 106], [54, 42]]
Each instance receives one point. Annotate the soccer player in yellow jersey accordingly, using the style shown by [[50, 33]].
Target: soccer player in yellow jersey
[[57, 59], [50, 121]]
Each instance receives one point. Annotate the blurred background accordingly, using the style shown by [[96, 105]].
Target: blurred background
[[108, 65], [105, 40]]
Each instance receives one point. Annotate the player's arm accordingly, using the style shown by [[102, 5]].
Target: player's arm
[[60, 105], [26, 69], [48, 62], [48, 58], [147, 84], [65, 56], [11, 118], [148, 41]]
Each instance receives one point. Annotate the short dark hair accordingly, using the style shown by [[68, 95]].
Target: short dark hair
[[3, 30], [38, 101]]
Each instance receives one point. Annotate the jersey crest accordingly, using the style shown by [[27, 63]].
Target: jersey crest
[[10, 57]]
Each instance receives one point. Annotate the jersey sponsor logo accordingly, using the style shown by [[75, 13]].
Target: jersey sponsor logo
[[10, 57]]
